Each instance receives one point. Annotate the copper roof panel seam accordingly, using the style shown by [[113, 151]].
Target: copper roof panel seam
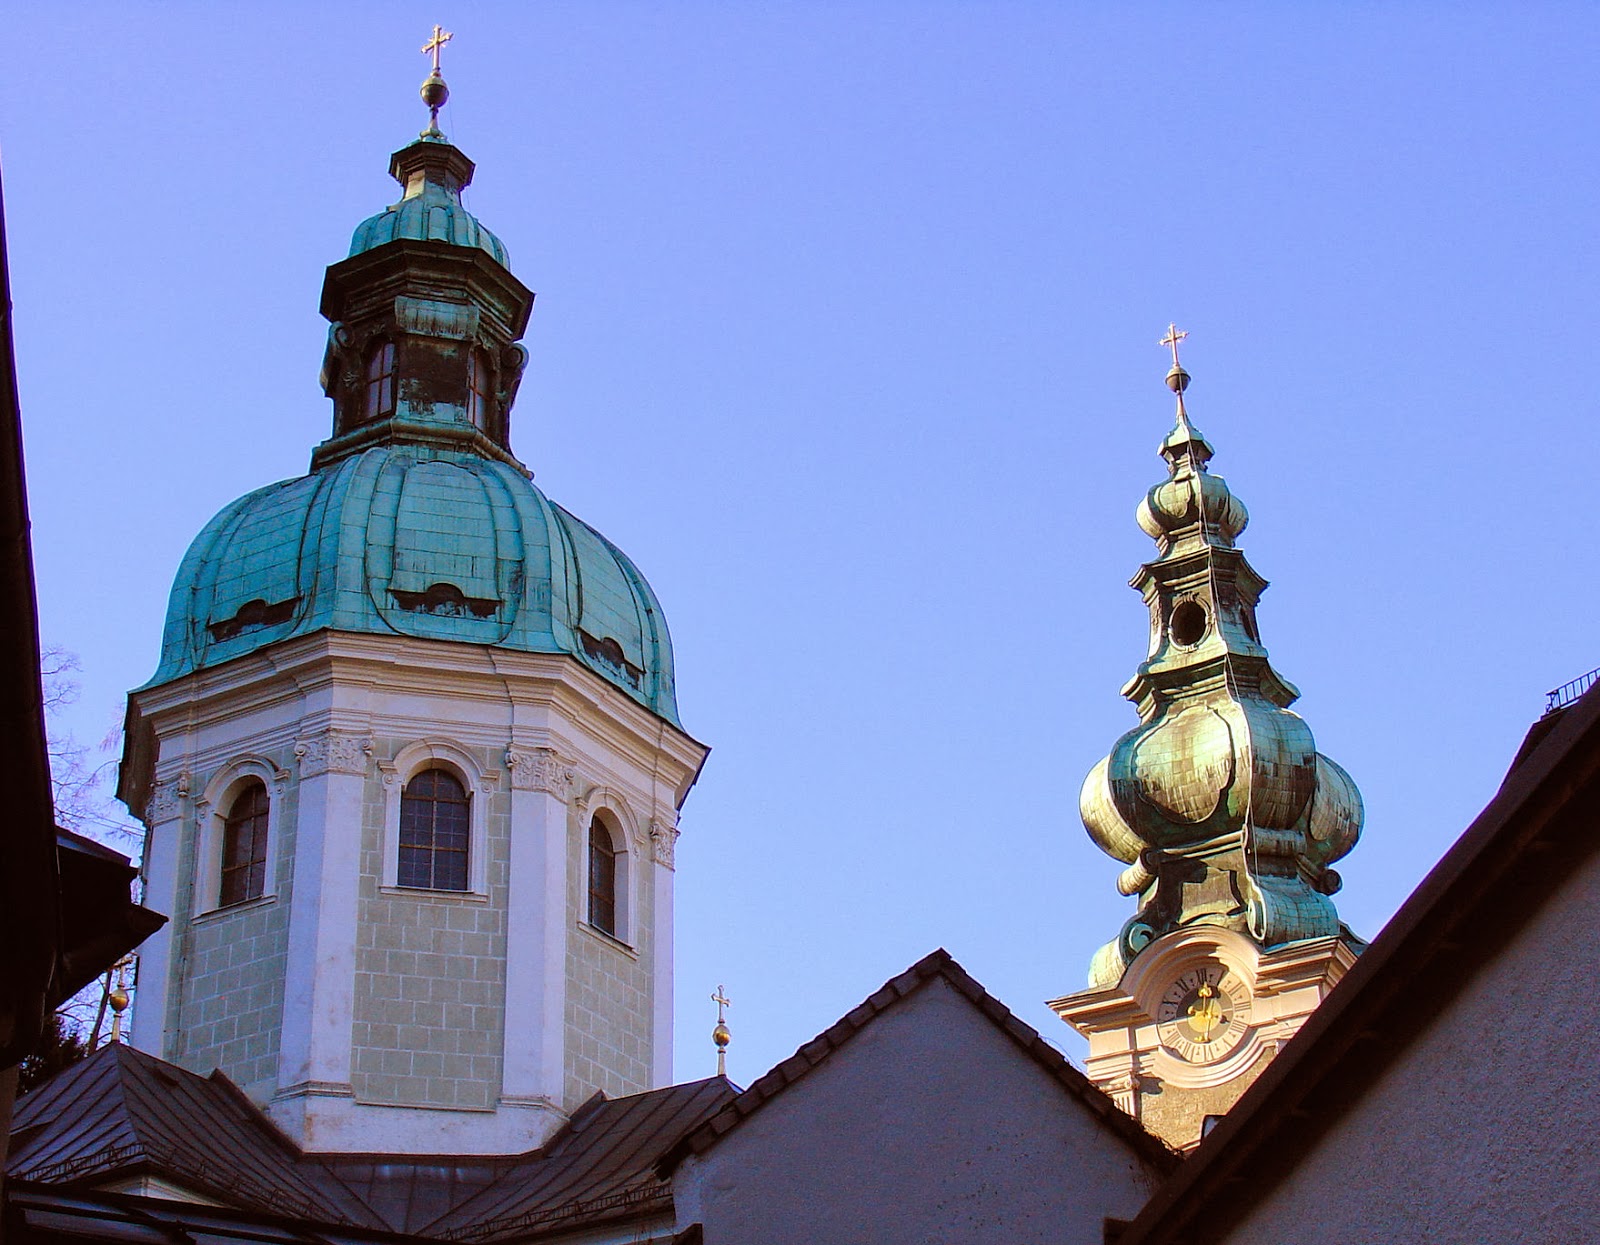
[[77, 1109], [572, 1176], [98, 1132]]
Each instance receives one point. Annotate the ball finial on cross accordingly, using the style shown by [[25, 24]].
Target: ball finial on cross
[[1177, 378], [434, 91], [721, 1035]]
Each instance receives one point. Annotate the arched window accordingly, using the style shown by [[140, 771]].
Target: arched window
[[478, 381], [435, 828], [244, 847], [380, 382], [602, 878]]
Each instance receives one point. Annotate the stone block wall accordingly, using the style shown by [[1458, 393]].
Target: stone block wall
[[429, 990], [227, 1012], [610, 995]]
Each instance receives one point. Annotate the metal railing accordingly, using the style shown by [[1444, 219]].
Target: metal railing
[[1561, 697]]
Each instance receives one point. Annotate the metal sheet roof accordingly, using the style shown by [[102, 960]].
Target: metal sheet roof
[[123, 1113]]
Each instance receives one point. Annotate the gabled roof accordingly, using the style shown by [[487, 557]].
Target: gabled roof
[[1523, 845], [122, 1113], [939, 965]]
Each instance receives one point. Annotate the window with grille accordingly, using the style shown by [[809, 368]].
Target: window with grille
[[435, 827], [602, 879], [244, 847], [380, 382]]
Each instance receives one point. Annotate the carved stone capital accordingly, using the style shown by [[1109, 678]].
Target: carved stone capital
[[1127, 1090], [166, 799], [663, 842], [333, 751], [540, 769]]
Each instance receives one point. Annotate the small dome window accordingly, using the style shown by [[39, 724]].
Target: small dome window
[[435, 830], [244, 847], [379, 400], [479, 380]]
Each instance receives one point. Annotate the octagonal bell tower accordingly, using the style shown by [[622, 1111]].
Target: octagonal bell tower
[[411, 763], [1227, 819]]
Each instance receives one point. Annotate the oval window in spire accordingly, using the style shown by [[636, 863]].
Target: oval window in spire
[[379, 399]]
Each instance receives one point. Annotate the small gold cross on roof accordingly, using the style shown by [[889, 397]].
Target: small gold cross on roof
[[441, 37], [1173, 337], [721, 1002]]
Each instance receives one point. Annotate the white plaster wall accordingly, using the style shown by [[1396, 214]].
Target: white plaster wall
[[1488, 1127], [929, 1125]]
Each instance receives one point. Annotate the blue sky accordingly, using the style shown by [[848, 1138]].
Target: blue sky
[[846, 331]]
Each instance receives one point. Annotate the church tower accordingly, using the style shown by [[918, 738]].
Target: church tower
[[1227, 818], [411, 763]]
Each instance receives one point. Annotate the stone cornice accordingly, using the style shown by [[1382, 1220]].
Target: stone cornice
[[543, 695]]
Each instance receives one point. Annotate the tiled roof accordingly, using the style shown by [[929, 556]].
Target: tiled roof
[[939, 964]]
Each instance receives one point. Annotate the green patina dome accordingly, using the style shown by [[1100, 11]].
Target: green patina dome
[[416, 520], [430, 210], [411, 540]]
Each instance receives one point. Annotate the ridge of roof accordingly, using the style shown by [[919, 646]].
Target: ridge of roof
[[1549, 793], [936, 965]]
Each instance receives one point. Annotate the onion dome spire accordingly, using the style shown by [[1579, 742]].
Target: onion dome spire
[[1218, 801]]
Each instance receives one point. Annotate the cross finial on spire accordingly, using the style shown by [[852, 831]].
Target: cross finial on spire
[[441, 37], [1177, 378], [721, 1035], [1173, 337], [434, 91]]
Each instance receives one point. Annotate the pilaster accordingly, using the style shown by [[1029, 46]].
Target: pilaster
[[663, 851], [314, 1060], [534, 1059], [155, 1019]]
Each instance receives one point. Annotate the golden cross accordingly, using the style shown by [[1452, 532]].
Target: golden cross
[[1173, 337], [721, 1002], [440, 38]]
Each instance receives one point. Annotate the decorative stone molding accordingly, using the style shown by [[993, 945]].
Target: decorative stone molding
[[663, 840], [166, 798], [1128, 1090], [335, 751], [431, 317], [540, 769]]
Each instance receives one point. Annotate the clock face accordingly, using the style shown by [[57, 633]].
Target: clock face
[[1202, 1015]]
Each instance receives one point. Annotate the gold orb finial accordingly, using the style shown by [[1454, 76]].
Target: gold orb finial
[[434, 90], [117, 997], [721, 1035], [1177, 378]]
